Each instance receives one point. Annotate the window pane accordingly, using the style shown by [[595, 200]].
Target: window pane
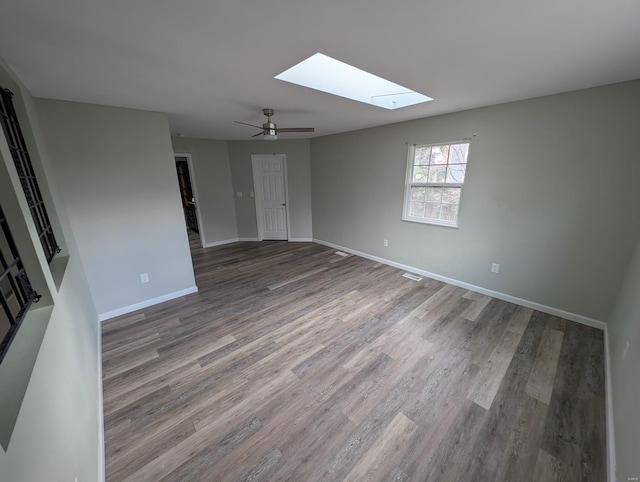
[[434, 194], [449, 212], [432, 211], [420, 173], [421, 156], [418, 193], [451, 195], [437, 173], [458, 153], [439, 154], [417, 209], [455, 173]]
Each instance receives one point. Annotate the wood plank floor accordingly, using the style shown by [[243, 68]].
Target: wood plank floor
[[293, 363]]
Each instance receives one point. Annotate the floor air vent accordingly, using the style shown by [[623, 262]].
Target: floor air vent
[[412, 276], [341, 253]]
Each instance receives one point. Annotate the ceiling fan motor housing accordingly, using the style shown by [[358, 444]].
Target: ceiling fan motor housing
[[269, 129]]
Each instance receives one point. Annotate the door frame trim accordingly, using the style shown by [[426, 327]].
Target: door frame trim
[[194, 188], [257, 198]]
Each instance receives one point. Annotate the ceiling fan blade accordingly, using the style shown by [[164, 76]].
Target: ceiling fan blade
[[252, 125], [258, 134], [295, 129]]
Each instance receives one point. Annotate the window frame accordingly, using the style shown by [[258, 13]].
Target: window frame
[[409, 183]]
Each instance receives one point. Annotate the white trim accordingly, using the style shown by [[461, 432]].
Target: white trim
[[257, 189], [101, 450], [300, 240], [232, 240], [286, 195], [432, 222], [220, 243], [144, 304], [194, 188], [584, 320], [611, 446]]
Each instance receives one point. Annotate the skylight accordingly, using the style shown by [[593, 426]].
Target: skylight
[[329, 75]]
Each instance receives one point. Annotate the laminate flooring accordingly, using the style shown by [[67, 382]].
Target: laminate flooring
[[294, 363]]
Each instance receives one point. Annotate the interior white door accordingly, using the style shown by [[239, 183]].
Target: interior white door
[[270, 192]]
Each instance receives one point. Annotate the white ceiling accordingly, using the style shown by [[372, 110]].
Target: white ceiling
[[209, 62]]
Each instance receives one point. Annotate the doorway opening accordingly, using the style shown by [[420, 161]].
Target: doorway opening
[[188, 194], [270, 184]]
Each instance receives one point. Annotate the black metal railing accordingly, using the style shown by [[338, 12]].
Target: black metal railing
[[27, 176], [16, 293]]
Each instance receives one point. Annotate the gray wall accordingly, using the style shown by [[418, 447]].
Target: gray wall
[[118, 180], [56, 436], [212, 177], [551, 194], [298, 177], [624, 326]]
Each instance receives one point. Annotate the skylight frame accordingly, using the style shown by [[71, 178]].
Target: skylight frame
[[326, 74]]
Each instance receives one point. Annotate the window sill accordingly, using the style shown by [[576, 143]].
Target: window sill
[[17, 366], [429, 221]]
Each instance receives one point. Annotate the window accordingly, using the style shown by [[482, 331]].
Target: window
[[16, 294], [326, 74], [27, 176], [435, 176]]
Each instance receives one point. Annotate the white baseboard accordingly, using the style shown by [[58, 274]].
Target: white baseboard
[[611, 446], [228, 241], [235, 240], [495, 294], [101, 450], [220, 243], [144, 304]]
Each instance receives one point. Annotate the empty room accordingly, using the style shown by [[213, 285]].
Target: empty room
[[319, 241]]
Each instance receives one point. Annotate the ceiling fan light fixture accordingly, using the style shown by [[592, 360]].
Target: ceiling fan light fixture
[[269, 129]]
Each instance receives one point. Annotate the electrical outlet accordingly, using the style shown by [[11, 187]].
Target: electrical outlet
[[495, 267], [144, 277], [385, 242], [239, 193], [252, 194]]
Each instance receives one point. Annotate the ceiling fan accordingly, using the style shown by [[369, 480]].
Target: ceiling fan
[[269, 131]]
